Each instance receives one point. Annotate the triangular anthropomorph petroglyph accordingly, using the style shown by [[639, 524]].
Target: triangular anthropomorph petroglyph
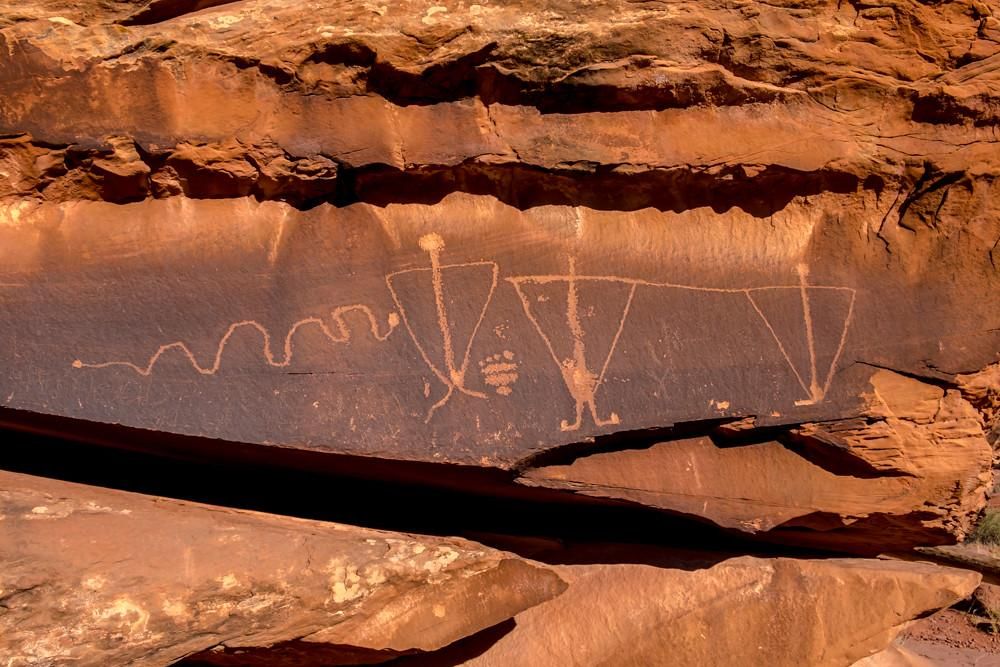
[[442, 308], [580, 319], [809, 326]]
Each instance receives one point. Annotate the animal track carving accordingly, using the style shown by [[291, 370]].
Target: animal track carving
[[500, 371]]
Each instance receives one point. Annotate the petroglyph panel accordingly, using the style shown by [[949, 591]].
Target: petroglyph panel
[[467, 331]]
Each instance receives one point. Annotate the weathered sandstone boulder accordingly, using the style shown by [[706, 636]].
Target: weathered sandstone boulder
[[987, 597], [913, 470], [895, 656], [744, 611], [480, 233], [95, 577], [511, 235]]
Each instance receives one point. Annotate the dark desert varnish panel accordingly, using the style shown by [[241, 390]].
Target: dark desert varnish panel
[[373, 331], [669, 301]]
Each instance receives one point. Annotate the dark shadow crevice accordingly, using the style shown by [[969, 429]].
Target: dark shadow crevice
[[300, 653], [815, 446], [413, 497], [77, 173], [619, 441], [158, 11], [294, 653], [600, 187]]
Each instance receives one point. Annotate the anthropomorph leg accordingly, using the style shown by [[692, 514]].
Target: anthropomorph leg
[[816, 392], [580, 380], [454, 376]]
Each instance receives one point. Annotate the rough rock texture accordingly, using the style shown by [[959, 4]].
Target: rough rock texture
[[915, 472], [744, 611], [480, 233], [895, 656], [100, 577], [738, 261], [983, 391], [988, 597], [96, 577]]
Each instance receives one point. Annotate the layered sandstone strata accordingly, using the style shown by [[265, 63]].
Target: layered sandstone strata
[[733, 262], [912, 470], [96, 577]]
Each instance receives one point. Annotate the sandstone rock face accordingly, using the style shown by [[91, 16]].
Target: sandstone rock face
[[894, 656], [99, 577], [738, 262], [988, 597], [745, 611], [915, 471], [567, 221], [94, 576], [476, 234]]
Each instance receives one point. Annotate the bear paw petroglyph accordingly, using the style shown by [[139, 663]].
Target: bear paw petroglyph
[[500, 371]]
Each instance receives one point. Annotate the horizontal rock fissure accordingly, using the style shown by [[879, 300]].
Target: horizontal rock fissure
[[157, 11], [430, 499], [294, 652], [621, 440], [79, 173], [603, 188], [474, 75], [723, 433], [289, 652], [927, 375]]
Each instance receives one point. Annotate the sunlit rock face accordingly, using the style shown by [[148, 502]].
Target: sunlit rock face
[[481, 234], [96, 575], [93, 576], [737, 264]]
